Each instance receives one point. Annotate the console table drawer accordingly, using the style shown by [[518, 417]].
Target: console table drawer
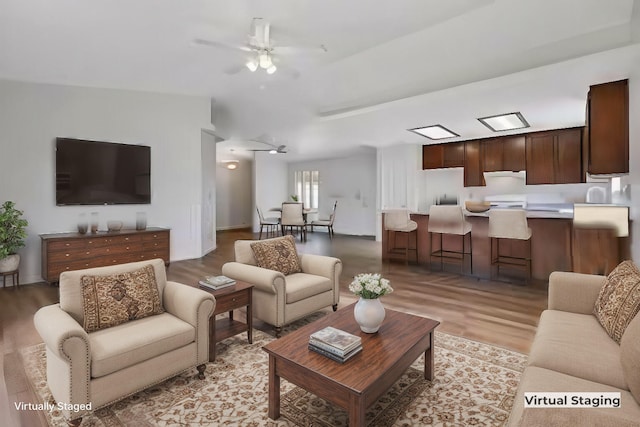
[[67, 245]]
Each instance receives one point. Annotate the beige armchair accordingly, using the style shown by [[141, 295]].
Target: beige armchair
[[90, 370], [278, 299]]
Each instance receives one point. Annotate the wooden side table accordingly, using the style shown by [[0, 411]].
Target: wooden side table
[[227, 300], [15, 276]]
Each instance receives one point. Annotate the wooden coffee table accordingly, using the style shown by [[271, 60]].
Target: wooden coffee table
[[229, 299], [360, 381]]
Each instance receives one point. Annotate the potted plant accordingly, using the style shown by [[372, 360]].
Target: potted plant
[[12, 236]]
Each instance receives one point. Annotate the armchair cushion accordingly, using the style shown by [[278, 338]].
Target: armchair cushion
[[118, 298], [630, 356], [277, 254], [619, 300], [302, 286], [114, 349]]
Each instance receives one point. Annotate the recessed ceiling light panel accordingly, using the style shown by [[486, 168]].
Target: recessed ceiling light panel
[[503, 122], [434, 132]]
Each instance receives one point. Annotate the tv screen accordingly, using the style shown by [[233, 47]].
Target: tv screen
[[102, 173]]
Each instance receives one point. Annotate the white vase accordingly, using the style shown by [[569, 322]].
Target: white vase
[[9, 263], [369, 314]]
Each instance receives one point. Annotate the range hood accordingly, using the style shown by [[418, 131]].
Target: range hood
[[505, 174]]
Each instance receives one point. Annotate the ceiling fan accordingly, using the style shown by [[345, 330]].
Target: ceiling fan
[[263, 52], [280, 149]]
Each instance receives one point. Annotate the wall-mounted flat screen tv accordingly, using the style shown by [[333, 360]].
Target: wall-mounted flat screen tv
[[102, 173]]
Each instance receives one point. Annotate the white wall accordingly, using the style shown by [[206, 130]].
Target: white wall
[[234, 206], [352, 182], [209, 205], [33, 115], [634, 160], [270, 184]]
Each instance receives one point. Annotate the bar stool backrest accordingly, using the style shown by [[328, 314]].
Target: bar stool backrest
[[509, 224], [396, 219], [448, 219]]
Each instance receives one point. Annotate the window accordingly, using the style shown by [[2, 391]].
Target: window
[[306, 188]]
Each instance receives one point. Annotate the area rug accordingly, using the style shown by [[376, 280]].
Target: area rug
[[474, 384]]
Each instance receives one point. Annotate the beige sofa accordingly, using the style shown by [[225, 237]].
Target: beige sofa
[[106, 365], [278, 299], [572, 352]]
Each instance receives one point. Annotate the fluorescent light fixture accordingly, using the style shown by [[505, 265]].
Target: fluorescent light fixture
[[434, 132], [503, 122]]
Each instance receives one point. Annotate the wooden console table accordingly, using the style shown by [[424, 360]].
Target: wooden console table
[[74, 251]]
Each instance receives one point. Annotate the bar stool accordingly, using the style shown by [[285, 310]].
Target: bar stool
[[509, 224], [449, 219], [398, 221]]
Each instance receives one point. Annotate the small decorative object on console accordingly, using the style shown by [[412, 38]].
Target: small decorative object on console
[[369, 311], [114, 225]]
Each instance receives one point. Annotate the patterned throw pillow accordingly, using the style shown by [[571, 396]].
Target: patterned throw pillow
[[277, 254], [619, 299], [119, 298]]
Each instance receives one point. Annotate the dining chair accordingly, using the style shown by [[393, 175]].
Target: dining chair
[[292, 217], [271, 224], [326, 223]]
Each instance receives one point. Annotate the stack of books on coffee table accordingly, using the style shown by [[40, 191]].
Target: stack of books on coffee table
[[217, 282], [335, 344]]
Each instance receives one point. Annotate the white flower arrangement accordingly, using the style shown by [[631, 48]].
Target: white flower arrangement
[[370, 286]]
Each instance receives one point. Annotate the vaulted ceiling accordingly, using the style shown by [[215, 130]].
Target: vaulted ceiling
[[389, 66]]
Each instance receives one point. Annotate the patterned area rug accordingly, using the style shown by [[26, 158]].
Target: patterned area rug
[[474, 384]]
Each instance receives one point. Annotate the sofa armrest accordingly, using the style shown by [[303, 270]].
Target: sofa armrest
[[265, 280], [574, 292], [188, 303], [56, 327], [321, 265], [68, 356], [195, 307]]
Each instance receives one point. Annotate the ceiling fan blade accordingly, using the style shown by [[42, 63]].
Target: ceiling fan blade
[[222, 45], [235, 69], [298, 50]]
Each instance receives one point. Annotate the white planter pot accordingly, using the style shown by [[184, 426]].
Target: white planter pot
[[9, 263], [369, 313]]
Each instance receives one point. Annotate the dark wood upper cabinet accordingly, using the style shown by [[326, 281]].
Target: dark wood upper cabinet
[[432, 156], [540, 158], [492, 151], [453, 155], [554, 157], [506, 153], [569, 157], [608, 128], [513, 153], [438, 156], [472, 164]]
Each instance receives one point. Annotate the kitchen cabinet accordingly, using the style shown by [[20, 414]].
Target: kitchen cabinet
[[438, 156], [504, 154], [472, 164], [554, 157], [608, 128]]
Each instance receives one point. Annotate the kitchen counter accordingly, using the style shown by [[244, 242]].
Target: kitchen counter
[[556, 244]]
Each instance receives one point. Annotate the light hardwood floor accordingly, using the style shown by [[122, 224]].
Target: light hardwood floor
[[498, 313]]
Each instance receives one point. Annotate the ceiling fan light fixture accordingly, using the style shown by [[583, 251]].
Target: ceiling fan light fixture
[[274, 151], [272, 69], [265, 60], [252, 65]]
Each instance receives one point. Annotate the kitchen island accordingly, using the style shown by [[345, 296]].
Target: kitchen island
[[552, 245]]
